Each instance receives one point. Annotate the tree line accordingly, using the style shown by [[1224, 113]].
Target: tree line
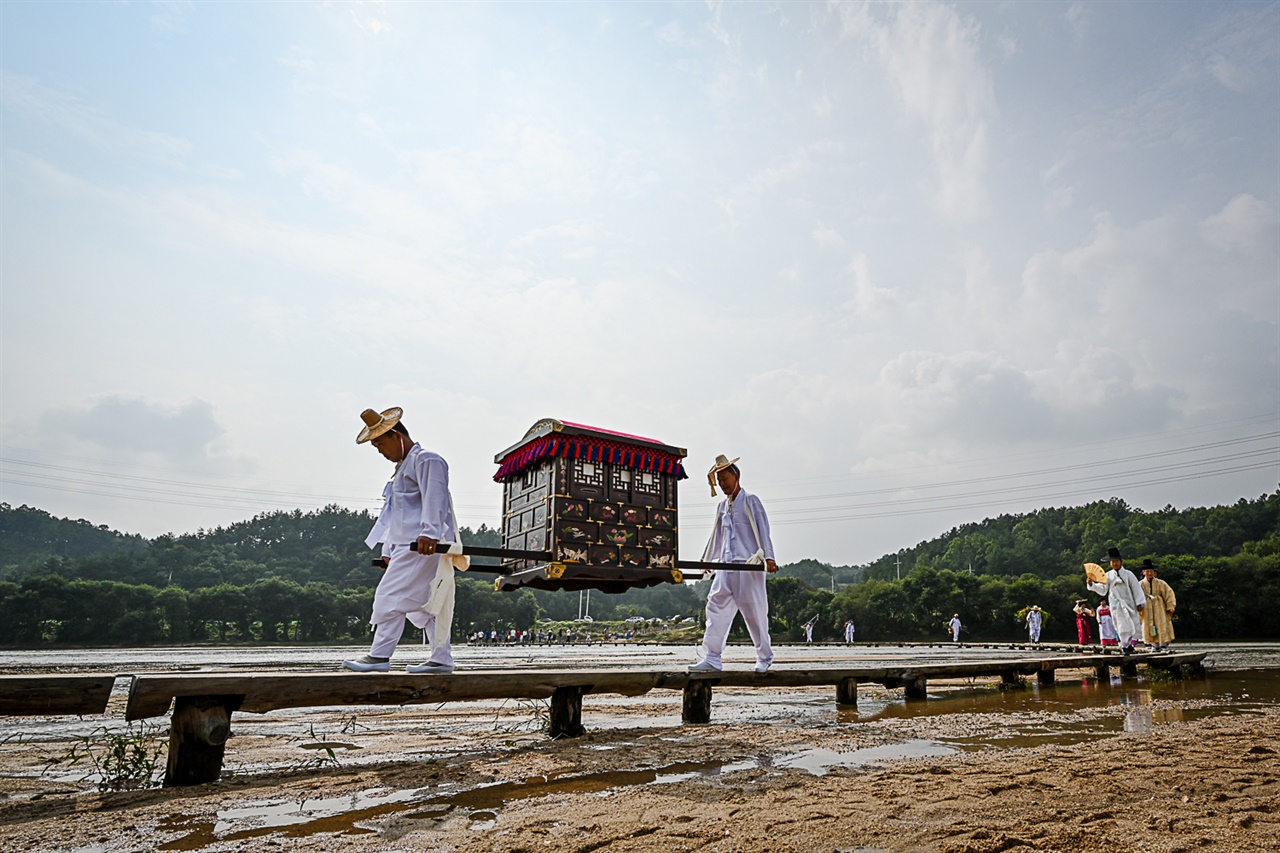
[[293, 577]]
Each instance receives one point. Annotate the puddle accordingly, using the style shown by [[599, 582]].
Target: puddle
[[344, 815], [481, 806], [819, 761]]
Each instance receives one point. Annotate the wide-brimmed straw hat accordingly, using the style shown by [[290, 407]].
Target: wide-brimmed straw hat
[[376, 424], [722, 462]]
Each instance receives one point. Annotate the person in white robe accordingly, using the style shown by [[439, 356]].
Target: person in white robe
[[1125, 597], [955, 626], [1106, 626], [740, 535], [848, 632], [416, 515], [1035, 619]]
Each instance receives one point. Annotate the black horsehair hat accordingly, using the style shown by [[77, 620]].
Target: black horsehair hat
[[1114, 554]]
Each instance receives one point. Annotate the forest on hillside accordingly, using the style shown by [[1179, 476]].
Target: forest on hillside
[[306, 577]]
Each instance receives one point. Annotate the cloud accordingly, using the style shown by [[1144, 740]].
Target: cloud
[[932, 60], [136, 426], [1241, 225], [26, 96]]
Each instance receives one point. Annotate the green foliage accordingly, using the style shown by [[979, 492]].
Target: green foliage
[[117, 760], [294, 577], [1055, 541]]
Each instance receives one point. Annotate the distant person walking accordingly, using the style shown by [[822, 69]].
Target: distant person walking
[[848, 632], [1035, 619], [1125, 597], [1083, 614], [1106, 625], [1157, 616], [808, 630], [955, 626], [740, 534]]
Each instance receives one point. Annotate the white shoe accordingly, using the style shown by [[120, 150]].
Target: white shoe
[[704, 666], [762, 667], [368, 663], [429, 668]]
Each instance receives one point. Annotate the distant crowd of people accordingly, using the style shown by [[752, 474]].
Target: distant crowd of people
[[561, 637], [1130, 610]]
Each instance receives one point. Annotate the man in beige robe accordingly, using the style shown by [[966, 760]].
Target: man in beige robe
[[1157, 616]]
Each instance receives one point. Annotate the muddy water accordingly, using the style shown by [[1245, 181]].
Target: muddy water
[[957, 717], [968, 719]]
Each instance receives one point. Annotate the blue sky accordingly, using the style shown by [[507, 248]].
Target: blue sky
[[917, 264]]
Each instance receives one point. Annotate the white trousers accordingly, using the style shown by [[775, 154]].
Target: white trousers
[[404, 588], [1035, 634], [1127, 621], [734, 592]]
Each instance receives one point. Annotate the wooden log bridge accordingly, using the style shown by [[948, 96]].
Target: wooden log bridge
[[203, 704], [41, 695]]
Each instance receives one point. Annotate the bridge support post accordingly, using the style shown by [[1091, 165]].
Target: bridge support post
[[916, 688], [566, 712], [1129, 669], [847, 692], [697, 701], [198, 735], [1009, 678], [1045, 676]]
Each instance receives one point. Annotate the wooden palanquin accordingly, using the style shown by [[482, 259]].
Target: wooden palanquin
[[600, 505]]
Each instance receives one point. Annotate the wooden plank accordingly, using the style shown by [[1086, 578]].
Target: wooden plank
[[151, 695], [31, 695]]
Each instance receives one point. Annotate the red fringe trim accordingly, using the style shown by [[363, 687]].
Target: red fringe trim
[[592, 450]]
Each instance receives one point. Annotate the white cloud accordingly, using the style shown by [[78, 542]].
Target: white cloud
[[28, 97], [932, 59], [1241, 225]]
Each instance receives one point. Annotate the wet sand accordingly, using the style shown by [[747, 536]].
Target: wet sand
[[1083, 766]]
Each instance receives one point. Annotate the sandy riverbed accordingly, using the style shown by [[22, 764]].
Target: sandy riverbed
[[775, 770]]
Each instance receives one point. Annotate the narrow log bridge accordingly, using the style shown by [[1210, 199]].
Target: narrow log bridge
[[203, 704], [41, 695]]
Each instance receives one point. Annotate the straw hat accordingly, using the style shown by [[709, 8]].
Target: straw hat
[[722, 462], [376, 424]]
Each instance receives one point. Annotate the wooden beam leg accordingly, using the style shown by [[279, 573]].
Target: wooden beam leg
[[198, 736], [1103, 672], [697, 701], [1129, 668], [1009, 678], [847, 692], [916, 688], [566, 712], [1045, 676]]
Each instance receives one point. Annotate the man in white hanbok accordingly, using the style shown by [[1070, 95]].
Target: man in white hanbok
[[1035, 619], [1125, 596], [740, 535], [417, 514]]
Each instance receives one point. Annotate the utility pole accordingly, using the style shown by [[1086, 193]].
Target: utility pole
[[898, 561]]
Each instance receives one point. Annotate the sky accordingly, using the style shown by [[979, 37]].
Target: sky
[[917, 264]]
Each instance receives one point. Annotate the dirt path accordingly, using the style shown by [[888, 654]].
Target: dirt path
[[455, 779]]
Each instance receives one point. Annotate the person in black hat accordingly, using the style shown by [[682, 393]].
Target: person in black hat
[[1157, 616], [1126, 598]]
